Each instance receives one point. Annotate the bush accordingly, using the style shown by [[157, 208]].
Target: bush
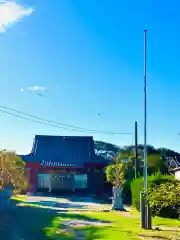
[[137, 186], [115, 174], [164, 199]]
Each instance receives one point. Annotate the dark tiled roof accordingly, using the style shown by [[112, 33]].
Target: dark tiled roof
[[66, 150]]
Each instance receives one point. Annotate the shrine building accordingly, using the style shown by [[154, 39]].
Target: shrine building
[[64, 163]]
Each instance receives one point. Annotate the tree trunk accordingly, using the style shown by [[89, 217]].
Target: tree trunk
[[117, 203]]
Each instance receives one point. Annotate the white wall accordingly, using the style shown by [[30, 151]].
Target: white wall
[[177, 175]]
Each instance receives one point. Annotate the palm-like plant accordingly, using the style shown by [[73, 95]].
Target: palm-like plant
[[116, 174]]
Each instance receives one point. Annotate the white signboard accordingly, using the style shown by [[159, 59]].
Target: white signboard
[[55, 164]]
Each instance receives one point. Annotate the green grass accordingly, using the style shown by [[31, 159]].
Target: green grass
[[121, 227], [20, 198], [46, 223]]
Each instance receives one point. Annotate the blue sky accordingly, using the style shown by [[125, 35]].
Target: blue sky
[[87, 57]]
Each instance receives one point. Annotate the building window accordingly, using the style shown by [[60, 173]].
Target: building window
[[43, 180], [80, 181]]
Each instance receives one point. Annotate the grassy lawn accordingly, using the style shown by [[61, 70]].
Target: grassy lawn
[[121, 227], [39, 222], [20, 198]]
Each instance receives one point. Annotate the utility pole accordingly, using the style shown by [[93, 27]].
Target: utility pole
[[136, 150], [145, 209], [145, 112]]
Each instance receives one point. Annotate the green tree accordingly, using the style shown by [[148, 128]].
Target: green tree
[[12, 171], [154, 158], [127, 156], [115, 174], [156, 163]]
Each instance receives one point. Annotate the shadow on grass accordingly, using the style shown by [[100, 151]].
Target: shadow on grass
[[87, 232], [74, 216], [36, 223], [26, 223]]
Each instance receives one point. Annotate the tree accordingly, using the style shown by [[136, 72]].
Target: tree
[[123, 155], [156, 163], [154, 158], [104, 148], [115, 174], [12, 171]]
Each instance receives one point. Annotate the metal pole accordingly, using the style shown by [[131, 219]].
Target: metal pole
[[136, 151], [148, 219], [145, 132], [143, 203], [142, 209], [145, 113]]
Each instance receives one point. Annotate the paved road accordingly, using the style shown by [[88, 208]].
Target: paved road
[[58, 203]]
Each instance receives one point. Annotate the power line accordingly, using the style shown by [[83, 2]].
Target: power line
[[43, 119], [53, 123], [36, 121]]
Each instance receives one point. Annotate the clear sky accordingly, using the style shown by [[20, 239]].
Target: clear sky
[[86, 57]]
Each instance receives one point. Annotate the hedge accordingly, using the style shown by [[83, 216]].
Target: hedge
[[164, 199], [137, 186]]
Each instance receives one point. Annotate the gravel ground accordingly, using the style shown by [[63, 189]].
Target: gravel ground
[[64, 203]]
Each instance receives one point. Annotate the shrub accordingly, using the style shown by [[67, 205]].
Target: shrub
[[164, 199], [13, 171], [137, 186], [115, 174], [121, 174]]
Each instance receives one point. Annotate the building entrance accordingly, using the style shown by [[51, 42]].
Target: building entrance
[[62, 181]]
